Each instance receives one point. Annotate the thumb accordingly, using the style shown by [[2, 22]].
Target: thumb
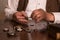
[[24, 14]]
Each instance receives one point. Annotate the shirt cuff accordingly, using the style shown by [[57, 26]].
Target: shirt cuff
[[57, 17]]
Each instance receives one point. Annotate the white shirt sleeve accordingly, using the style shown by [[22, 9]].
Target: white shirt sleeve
[[57, 17], [11, 8]]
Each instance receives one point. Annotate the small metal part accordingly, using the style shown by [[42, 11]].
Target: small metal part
[[31, 24], [41, 25], [5, 29], [28, 31], [19, 29], [11, 33]]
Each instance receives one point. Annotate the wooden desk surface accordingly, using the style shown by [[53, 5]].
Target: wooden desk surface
[[22, 35]]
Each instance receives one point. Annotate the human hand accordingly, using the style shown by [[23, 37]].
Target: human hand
[[49, 17], [38, 15], [20, 17]]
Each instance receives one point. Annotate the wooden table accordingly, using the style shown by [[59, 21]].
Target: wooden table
[[22, 35], [54, 31]]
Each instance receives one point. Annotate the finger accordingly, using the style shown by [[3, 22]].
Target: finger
[[20, 17], [39, 19], [34, 16], [23, 20], [38, 16], [24, 14], [18, 14], [35, 11]]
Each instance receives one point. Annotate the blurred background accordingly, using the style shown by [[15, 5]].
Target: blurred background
[[2, 6]]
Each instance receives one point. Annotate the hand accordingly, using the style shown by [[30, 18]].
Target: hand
[[20, 17], [49, 17], [38, 15]]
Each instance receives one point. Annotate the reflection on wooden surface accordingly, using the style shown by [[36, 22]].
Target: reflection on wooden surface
[[58, 35], [36, 35]]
